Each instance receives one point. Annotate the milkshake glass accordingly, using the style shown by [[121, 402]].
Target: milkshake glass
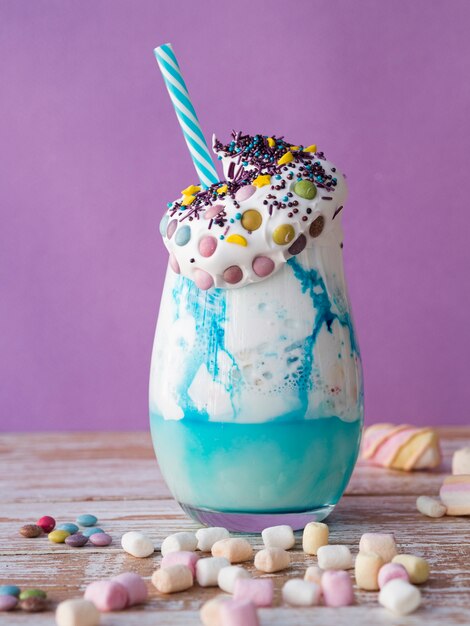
[[256, 398]]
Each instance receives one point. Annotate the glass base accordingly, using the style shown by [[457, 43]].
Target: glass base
[[255, 522]]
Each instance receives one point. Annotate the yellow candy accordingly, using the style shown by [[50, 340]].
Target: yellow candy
[[251, 219], [191, 190], [58, 536], [294, 147], [312, 148], [222, 189], [262, 180], [283, 234], [286, 158], [187, 200], [238, 239], [271, 142]]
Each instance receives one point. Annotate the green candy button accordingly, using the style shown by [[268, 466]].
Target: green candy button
[[305, 189]]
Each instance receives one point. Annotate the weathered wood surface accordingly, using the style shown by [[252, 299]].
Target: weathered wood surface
[[115, 476]]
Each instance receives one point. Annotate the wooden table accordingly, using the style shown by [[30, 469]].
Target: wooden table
[[115, 477]]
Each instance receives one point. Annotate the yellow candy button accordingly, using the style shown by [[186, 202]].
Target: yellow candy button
[[251, 219], [286, 158], [283, 234], [238, 239]]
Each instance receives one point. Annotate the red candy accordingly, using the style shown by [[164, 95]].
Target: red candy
[[47, 523]]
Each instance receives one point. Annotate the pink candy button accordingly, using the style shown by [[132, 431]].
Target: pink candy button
[[207, 246], [212, 211], [174, 264], [203, 280], [263, 266], [233, 275], [171, 228], [245, 192]]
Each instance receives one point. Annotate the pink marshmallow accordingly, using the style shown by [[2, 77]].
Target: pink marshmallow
[[238, 613], [258, 590], [389, 571], [107, 595], [181, 558], [337, 588], [135, 586]]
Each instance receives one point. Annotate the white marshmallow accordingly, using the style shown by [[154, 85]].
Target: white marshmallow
[[313, 574], [137, 544], [272, 560], [300, 592], [334, 557], [207, 570], [228, 576], [382, 544], [173, 578], [461, 461], [77, 613], [430, 507], [400, 597], [206, 537], [184, 541], [279, 537]]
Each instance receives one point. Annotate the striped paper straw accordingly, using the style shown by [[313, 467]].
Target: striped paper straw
[[186, 115]]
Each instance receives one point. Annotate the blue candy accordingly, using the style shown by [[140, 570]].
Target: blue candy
[[69, 527], [183, 235], [88, 532], [9, 590], [86, 520]]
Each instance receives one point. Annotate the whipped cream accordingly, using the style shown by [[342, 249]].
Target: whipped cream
[[278, 200]]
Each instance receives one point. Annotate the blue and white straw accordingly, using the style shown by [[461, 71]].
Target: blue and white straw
[[186, 115]]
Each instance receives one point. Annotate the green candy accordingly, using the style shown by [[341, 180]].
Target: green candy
[[33, 593], [305, 189]]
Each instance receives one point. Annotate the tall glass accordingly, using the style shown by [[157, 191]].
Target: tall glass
[[256, 398]]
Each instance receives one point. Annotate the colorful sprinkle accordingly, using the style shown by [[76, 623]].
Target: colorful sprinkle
[[251, 220], [283, 234], [237, 239]]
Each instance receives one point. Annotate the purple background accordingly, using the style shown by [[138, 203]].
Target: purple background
[[91, 152]]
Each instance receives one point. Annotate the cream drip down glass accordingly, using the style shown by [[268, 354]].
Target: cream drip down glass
[[256, 397]]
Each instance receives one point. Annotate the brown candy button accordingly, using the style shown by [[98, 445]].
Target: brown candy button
[[298, 245], [317, 226], [233, 275]]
